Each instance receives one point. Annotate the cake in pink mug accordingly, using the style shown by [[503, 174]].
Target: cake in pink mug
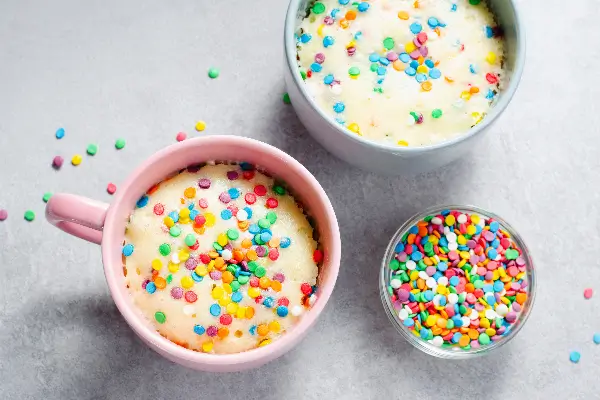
[[267, 292]]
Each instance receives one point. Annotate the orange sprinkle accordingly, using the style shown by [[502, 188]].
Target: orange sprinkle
[[160, 282], [441, 322], [351, 15], [473, 334], [223, 332], [438, 31], [238, 255], [422, 231], [474, 89], [182, 200], [238, 333], [416, 4], [264, 282], [153, 189], [190, 193], [426, 86], [246, 243], [227, 277], [251, 255], [274, 242], [521, 298], [403, 15], [199, 231], [448, 79], [344, 23], [213, 254], [421, 60], [262, 330], [219, 263], [249, 312], [422, 223], [243, 225], [411, 238], [398, 65], [420, 283], [469, 288], [276, 286]]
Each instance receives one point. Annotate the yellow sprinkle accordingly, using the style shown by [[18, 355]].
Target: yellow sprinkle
[[227, 288], [76, 160], [184, 213], [354, 128], [352, 43], [402, 143], [403, 15], [207, 346], [173, 267], [232, 308], [471, 229], [201, 270], [462, 262], [264, 342], [187, 282], [409, 47], [426, 86], [414, 275], [217, 293], [222, 239], [320, 30], [491, 57], [253, 292], [484, 323], [422, 69], [225, 301], [183, 255], [210, 219], [200, 126], [168, 222], [241, 312], [274, 326], [461, 240], [465, 95], [157, 264]]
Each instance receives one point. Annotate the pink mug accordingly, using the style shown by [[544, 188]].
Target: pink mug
[[105, 224]]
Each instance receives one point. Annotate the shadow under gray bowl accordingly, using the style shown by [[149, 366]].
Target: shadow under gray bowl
[[388, 159]]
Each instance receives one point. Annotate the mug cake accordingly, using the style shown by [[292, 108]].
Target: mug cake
[[220, 258], [402, 73]]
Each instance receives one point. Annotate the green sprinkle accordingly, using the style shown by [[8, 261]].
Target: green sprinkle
[[119, 144], [232, 234], [286, 96], [29, 215], [160, 317], [474, 2], [264, 223], [436, 113], [260, 271], [511, 254], [243, 279], [46, 197], [374, 67], [235, 286], [92, 149], [303, 75], [175, 231], [428, 218], [252, 265], [164, 249], [318, 8], [217, 246], [257, 239], [449, 324], [169, 278], [280, 190], [428, 247], [394, 264], [484, 338], [388, 43], [271, 217], [415, 116], [378, 90], [213, 73], [354, 71], [190, 240], [231, 269]]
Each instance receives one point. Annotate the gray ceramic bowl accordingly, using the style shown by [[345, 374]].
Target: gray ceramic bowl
[[383, 158]]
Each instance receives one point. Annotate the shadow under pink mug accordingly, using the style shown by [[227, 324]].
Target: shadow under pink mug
[[104, 224]]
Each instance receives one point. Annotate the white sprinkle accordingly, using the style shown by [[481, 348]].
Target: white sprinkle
[[474, 315], [175, 258], [410, 120], [436, 220], [189, 309], [396, 283], [451, 237], [437, 341], [336, 90], [462, 218], [431, 283], [297, 311], [466, 321], [490, 314], [502, 310], [312, 300], [226, 254], [410, 264], [242, 215], [403, 314], [452, 298], [442, 280], [423, 275], [453, 246]]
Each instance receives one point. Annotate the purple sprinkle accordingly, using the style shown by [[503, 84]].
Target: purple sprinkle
[[319, 58], [488, 236], [57, 162], [211, 331], [147, 281], [225, 197], [403, 295], [520, 261], [489, 275], [191, 263], [177, 292], [415, 54], [245, 265], [402, 256], [260, 251], [511, 316], [515, 286], [479, 307], [501, 330], [328, 20], [471, 244], [279, 277], [417, 43], [498, 297], [474, 344], [3, 214], [430, 271], [391, 56], [232, 175], [516, 307], [424, 51], [192, 169], [215, 275], [351, 51], [482, 258], [523, 285], [228, 246], [495, 338], [204, 183], [474, 259]]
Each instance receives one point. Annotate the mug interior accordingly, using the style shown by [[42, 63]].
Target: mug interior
[[276, 163]]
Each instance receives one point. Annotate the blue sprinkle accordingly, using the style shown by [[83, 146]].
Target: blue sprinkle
[[424, 240], [490, 94], [478, 228], [234, 193], [245, 273], [285, 242], [495, 243], [453, 280], [445, 212], [215, 310], [443, 242], [268, 302], [254, 229], [433, 22], [328, 41], [575, 356], [488, 288], [265, 236], [456, 337], [194, 214], [453, 8], [339, 107], [404, 57], [492, 254], [226, 214], [248, 211], [408, 322], [491, 300], [399, 247], [381, 71], [60, 133], [597, 338], [442, 266], [410, 71], [494, 226], [174, 216], [334, 12], [236, 297], [340, 121], [380, 80], [282, 311], [416, 256], [328, 80], [246, 166], [127, 250], [384, 61], [437, 275], [413, 229], [429, 63], [364, 6], [373, 57], [199, 330], [457, 321], [344, 2], [414, 64], [435, 73], [498, 286], [416, 27], [316, 67], [151, 287], [252, 330], [473, 68], [196, 277], [142, 202], [428, 294], [421, 78], [442, 300], [305, 38], [489, 32]]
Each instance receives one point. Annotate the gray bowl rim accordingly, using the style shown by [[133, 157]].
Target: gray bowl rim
[[499, 107]]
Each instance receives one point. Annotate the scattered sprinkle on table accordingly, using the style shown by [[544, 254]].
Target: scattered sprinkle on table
[[575, 356], [181, 136], [111, 188], [60, 133], [587, 293], [92, 149], [119, 144], [596, 338], [213, 73], [286, 98], [46, 197], [457, 279], [57, 162], [200, 126], [29, 215], [76, 160], [3, 214]]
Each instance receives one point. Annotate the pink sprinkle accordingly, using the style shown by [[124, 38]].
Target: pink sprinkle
[[232, 175], [57, 162], [279, 277], [328, 20], [204, 183], [3, 214], [415, 54], [424, 51], [177, 293], [587, 293], [319, 58], [181, 136], [111, 188], [391, 56], [224, 197], [203, 203]]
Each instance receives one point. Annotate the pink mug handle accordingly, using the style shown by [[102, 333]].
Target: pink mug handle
[[78, 216]]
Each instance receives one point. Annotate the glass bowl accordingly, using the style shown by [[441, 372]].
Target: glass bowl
[[393, 308]]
